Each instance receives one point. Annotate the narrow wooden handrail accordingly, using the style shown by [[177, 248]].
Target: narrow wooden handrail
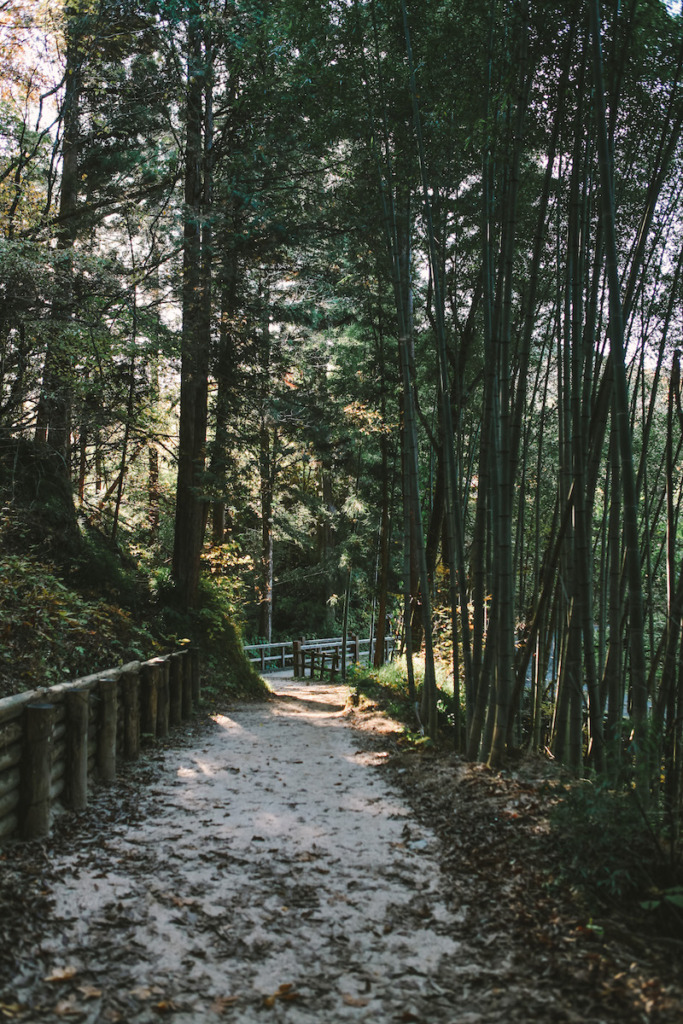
[[55, 741]]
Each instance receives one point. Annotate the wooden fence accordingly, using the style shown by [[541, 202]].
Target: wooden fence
[[301, 655], [55, 740]]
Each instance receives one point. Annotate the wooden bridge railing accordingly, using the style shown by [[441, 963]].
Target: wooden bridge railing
[[300, 654]]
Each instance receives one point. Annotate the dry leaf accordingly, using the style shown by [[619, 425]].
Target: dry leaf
[[180, 902], [222, 1003], [62, 974], [89, 991], [165, 1006], [10, 1009], [286, 992], [354, 1000], [67, 1008], [141, 992]]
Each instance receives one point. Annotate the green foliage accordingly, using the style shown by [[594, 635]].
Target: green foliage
[[665, 898], [37, 505], [212, 627], [609, 841], [73, 602], [50, 633], [388, 688], [310, 101]]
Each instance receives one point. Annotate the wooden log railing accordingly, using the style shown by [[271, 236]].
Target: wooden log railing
[[55, 741], [303, 655]]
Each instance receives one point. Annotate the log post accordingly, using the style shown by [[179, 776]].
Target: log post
[[322, 664], [163, 668], [312, 663], [195, 662], [175, 687], [106, 748], [77, 717], [296, 658], [186, 684], [36, 769], [130, 684], [356, 649], [149, 697], [335, 665]]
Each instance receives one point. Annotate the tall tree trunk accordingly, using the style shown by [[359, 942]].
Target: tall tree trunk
[[385, 518], [191, 503], [53, 419], [267, 463], [224, 370]]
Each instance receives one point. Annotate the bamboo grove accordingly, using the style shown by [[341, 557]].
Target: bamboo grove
[[384, 300]]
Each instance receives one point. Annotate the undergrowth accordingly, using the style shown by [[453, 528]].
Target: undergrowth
[[74, 602], [50, 633], [387, 687], [616, 850]]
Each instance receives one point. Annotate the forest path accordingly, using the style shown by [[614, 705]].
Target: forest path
[[269, 869]]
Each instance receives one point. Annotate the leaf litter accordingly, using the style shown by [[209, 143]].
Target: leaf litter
[[292, 862]]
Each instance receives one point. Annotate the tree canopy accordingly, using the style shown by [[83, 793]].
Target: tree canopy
[[366, 315]]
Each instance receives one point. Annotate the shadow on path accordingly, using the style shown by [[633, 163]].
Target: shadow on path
[[266, 866]]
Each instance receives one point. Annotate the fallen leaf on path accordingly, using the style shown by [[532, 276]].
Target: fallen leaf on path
[[165, 1006], [286, 992], [354, 1000], [89, 991], [68, 1008], [62, 974], [179, 901], [222, 1003], [141, 992], [10, 1009]]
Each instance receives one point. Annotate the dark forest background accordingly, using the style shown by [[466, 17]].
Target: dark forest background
[[353, 316]]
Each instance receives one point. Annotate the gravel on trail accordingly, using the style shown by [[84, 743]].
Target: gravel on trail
[[268, 868], [265, 865]]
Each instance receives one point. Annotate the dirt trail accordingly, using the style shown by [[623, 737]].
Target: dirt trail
[[275, 864], [270, 868]]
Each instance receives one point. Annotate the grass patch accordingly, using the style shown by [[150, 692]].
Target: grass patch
[[387, 689]]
